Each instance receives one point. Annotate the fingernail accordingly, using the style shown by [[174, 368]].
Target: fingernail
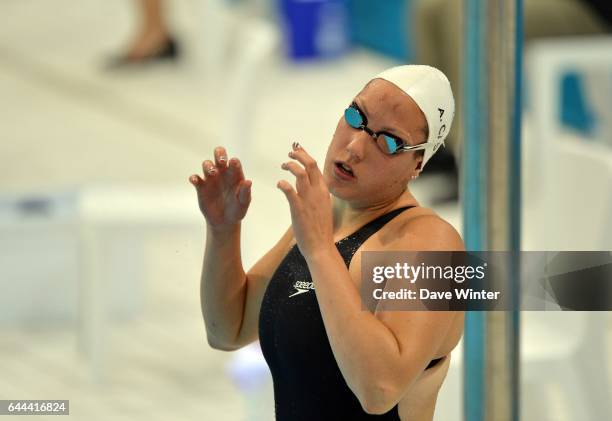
[[223, 158], [290, 154], [296, 145], [211, 171]]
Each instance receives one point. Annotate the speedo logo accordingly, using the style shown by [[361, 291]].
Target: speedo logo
[[302, 287]]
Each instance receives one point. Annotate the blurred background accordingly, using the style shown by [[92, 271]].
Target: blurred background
[[107, 107]]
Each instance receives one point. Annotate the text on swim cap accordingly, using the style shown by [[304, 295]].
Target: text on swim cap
[[442, 129]]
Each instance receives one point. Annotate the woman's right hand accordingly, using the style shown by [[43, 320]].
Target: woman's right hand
[[223, 193]]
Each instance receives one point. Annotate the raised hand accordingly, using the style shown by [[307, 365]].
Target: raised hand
[[224, 194], [310, 204]]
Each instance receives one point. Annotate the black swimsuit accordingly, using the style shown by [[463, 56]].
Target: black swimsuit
[[308, 384]]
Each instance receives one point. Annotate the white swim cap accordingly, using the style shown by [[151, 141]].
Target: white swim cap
[[431, 90]]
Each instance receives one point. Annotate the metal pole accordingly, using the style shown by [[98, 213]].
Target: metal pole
[[491, 203], [473, 196]]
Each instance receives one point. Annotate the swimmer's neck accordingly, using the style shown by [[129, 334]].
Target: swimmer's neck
[[348, 214]]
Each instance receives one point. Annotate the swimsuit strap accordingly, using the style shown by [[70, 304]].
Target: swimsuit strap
[[349, 245]]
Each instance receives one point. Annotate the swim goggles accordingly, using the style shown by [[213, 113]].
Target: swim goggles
[[386, 142]]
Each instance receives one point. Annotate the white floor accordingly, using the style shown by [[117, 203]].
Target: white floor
[[65, 123]]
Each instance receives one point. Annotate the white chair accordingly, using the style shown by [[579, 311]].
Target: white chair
[[567, 180], [234, 78], [89, 244], [567, 205]]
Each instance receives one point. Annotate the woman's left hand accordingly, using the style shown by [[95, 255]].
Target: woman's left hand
[[310, 204]]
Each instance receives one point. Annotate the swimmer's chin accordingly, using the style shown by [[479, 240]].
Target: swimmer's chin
[[337, 194], [334, 189]]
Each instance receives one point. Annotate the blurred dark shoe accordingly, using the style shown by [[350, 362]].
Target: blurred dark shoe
[[170, 51]]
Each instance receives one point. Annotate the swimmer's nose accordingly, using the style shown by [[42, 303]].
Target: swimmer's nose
[[356, 147]]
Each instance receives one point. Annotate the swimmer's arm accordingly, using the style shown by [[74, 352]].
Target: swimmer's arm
[[230, 298], [222, 286], [380, 355]]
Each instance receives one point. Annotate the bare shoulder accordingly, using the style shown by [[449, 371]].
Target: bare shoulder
[[422, 229]]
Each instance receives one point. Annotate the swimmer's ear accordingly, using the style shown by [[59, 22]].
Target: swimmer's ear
[[419, 165]]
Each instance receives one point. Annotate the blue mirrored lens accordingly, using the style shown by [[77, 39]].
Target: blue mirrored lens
[[391, 143], [353, 118]]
